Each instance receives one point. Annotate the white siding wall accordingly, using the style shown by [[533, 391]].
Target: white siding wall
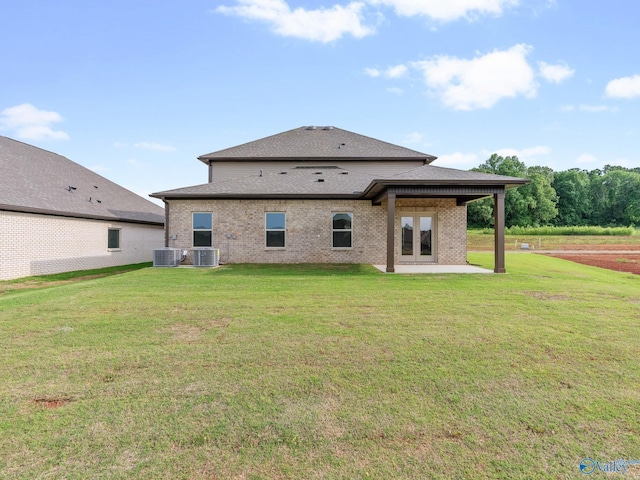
[[33, 244], [228, 170]]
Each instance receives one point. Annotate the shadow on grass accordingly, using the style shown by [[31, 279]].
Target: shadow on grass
[[68, 277], [297, 269]]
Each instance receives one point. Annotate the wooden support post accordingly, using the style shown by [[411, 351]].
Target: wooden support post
[[498, 228], [391, 224]]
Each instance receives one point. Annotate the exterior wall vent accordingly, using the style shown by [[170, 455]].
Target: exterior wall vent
[[166, 257], [205, 257]]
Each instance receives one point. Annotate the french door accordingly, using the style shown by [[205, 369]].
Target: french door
[[417, 238]]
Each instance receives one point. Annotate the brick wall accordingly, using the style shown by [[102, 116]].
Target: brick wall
[[450, 226], [32, 244], [309, 233]]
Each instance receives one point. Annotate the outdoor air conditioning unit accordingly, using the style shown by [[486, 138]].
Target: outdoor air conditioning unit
[[205, 257], [166, 257]]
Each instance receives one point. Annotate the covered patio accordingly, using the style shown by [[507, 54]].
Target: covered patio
[[433, 268], [463, 190]]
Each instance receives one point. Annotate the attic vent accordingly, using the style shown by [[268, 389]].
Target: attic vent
[[311, 127], [318, 173], [283, 173], [71, 188], [329, 127], [321, 180], [344, 173]]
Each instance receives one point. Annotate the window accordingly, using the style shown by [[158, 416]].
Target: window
[[342, 230], [275, 227], [202, 229], [113, 239]]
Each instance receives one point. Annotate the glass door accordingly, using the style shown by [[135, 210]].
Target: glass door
[[417, 238]]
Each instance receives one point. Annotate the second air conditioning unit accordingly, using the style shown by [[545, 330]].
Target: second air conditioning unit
[[166, 257], [205, 257]]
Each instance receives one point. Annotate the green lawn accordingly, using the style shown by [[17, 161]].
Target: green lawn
[[478, 241], [308, 372]]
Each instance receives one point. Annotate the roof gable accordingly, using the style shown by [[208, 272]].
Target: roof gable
[[314, 143], [38, 181]]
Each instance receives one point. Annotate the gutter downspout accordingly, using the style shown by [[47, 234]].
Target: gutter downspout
[[166, 223]]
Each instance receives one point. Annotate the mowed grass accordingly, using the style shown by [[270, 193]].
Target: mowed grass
[[268, 372], [479, 241]]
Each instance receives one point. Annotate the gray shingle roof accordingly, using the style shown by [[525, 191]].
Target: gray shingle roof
[[314, 143], [295, 182], [327, 143], [336, 182], [433, 173], [38, 181]]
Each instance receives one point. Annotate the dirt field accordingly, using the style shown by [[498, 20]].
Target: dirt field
[[622, 262], [635, 248]]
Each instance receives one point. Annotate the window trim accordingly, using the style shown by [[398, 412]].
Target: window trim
[[267, 230], [333, 230], [119, 247], [193, 230]]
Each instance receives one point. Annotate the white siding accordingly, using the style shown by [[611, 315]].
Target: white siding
[[32, 244], [229, 170]]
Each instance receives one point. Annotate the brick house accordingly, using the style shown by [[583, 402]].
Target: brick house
[[57, 216], [323, 194]]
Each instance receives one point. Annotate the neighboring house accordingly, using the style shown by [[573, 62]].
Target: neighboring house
[[58, 216], [322, 194]]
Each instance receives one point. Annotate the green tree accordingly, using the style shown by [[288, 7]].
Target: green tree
[[574, 199], [529, 205], [541, 197], [616, 197]]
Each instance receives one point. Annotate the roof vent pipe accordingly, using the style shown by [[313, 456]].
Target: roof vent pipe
[[260, 172]]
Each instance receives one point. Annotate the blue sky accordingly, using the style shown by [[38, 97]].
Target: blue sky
[[137, 89]]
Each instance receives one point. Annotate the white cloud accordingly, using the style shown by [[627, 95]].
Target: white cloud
[[157, 147], [527, 155], [372, 72], [596, 108], [31, 123], [586, 158], [458, 160], [447, 10], [134, 162], [555, 73], [396, 72], [413, 137], [322, 25], [625, 87], [482, 81], [587, 108]]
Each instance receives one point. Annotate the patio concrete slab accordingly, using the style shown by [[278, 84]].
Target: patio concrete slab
[[435, 269]]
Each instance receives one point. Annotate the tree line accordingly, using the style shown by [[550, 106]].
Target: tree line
[[609, 197]]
